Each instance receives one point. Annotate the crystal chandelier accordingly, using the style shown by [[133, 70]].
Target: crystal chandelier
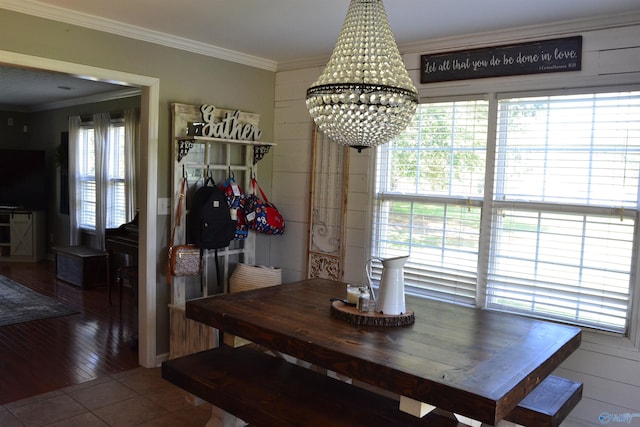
[[364, 97]]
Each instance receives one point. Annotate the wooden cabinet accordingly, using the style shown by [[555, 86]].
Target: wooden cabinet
[[5, 234], [22, 235]]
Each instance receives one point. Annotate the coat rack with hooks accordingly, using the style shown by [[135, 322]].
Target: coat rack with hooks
[[196, 157]]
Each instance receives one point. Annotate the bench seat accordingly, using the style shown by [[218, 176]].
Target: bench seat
[[548, 404], [268, 391]]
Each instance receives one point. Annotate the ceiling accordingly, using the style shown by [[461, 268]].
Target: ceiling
[[24, 89], [275, 32]]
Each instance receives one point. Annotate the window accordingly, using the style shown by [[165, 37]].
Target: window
[[87, 178], [566, 203], [538, 218], [115, 176], [429, 191]]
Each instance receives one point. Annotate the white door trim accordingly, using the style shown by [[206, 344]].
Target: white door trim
[[147, 199]]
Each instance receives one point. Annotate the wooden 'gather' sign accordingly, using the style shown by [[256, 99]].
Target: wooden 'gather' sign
[[549, 56]]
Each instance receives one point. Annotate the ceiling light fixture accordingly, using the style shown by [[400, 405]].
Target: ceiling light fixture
[[364, 97]]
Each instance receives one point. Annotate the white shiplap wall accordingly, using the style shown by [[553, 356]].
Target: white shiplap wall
[[609, 367]]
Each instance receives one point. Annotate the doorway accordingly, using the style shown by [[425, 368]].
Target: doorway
[[147, 198]]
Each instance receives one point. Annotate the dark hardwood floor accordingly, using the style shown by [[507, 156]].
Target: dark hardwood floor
[[45, 355]]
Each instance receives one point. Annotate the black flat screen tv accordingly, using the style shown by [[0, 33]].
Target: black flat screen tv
[[23, 179]]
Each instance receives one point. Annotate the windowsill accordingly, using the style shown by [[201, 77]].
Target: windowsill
[[610, 345]]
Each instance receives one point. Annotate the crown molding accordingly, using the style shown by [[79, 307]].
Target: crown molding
[[13, 108], [521, 34], [465, 41], [55, 13], [103, 97], [508, 35]]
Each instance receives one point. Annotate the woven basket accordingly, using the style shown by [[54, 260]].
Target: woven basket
[[246, 277]]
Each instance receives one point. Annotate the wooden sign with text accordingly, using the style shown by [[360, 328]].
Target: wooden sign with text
[[549, 56]]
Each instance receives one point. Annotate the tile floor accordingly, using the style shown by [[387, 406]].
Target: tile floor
[[139, 397]]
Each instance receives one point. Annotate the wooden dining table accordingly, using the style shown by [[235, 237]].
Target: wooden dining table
[[473, 362]]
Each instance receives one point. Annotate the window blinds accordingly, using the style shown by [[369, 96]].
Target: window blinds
[[565, 207], [429, 192], [115, 179]]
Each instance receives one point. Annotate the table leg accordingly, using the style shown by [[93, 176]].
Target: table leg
[[215, 420], [229, 420], [468, 421], [414, 407], [420, 409], [221, 418], [473, 423], [111, 267]]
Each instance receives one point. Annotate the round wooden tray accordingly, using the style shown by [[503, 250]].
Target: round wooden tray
[[352, 315]]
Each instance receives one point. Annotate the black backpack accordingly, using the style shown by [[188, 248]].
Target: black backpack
[[209, 224]]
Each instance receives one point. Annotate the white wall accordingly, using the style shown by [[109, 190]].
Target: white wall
[[609, 367]]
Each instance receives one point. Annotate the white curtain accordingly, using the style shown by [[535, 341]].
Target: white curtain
[[131, 148], [101, 122], [106, 196], [74, 181]]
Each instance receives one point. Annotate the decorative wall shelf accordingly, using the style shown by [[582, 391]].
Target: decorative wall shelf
[[185, 143]]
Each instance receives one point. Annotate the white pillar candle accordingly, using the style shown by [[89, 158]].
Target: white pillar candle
[[353, 293]]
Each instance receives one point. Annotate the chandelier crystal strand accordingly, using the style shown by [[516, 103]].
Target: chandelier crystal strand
[[364, 97]]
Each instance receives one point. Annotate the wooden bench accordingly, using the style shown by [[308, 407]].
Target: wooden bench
[[81, 266], [548, 404], [269, 391]]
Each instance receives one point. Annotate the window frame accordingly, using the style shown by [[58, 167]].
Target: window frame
[[112, 182], [453, 284], [624, 342], [85, 177]]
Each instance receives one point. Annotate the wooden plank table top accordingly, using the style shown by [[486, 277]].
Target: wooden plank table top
[[476, 363]]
